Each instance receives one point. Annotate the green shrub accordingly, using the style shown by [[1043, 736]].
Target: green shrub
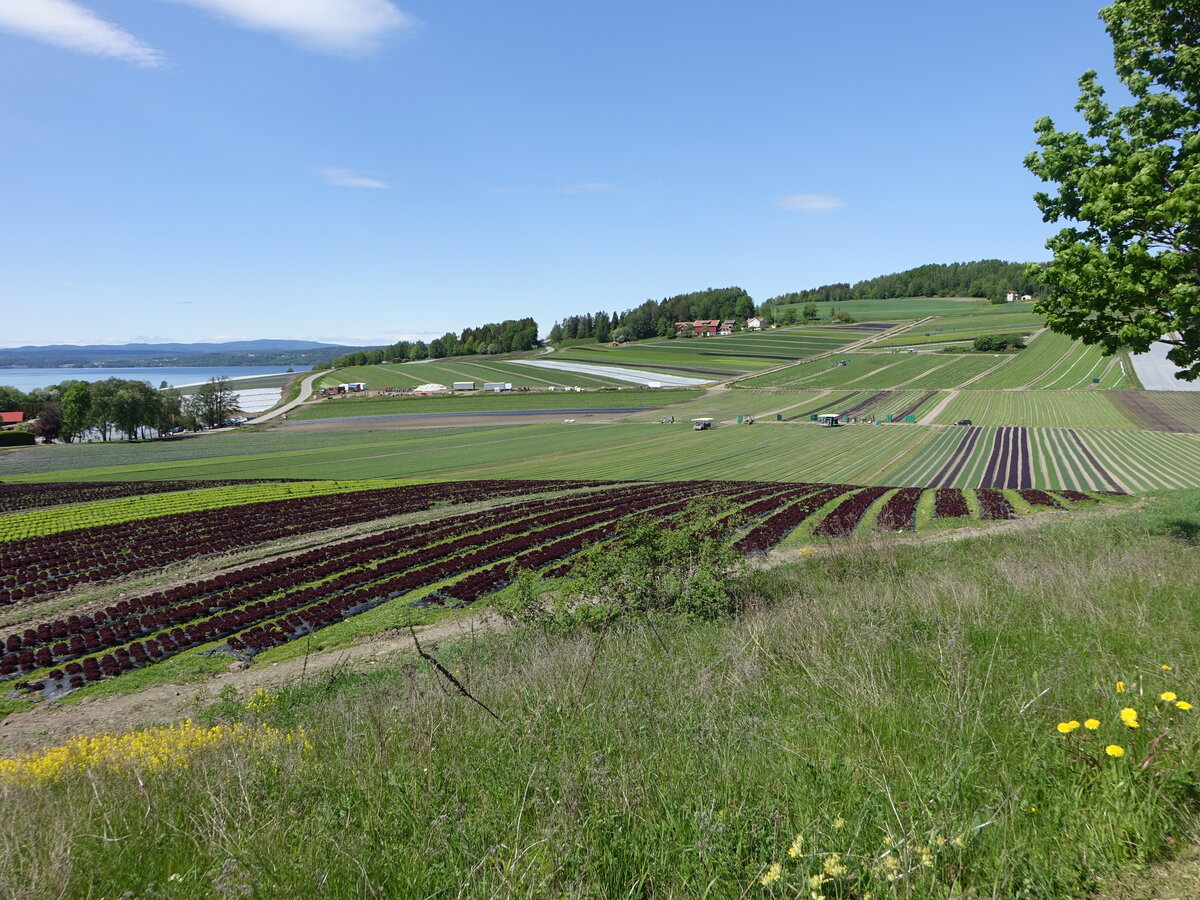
[[16, 439]]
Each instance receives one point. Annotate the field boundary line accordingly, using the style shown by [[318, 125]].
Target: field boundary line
[[938, 407]]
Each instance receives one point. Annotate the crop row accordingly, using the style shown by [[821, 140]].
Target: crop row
[[17, 497], [351, 592], [42, 565]]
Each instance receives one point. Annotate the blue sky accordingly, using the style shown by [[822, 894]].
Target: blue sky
[[364, 170]]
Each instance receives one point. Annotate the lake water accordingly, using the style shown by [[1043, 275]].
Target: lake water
[[26, 380]]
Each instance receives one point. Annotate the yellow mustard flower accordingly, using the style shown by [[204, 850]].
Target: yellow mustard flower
[[1183, 704], [1120, 687], [1115, 750], [1169, 696], [1091, 724], [1067, 727], [773, 874], [797, 843]]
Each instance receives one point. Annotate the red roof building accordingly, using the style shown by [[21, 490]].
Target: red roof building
[[11, 418], [700, 326]]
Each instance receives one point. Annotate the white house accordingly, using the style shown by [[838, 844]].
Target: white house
[[755, 323]]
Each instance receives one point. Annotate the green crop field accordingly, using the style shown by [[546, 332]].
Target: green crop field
[[355, 405], [405, 376], [965, 327], [1078, 409], [881, 371], [902, 309]]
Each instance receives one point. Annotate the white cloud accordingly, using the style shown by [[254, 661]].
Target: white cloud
[[588, 187], [75, 27], [350, 178], [338, 26], [816, 203]]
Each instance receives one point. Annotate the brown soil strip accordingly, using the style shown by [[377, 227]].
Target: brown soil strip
[[1142, 408], [928, 418]]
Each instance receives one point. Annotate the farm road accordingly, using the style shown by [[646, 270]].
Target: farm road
[[49, 724], [443, 419]]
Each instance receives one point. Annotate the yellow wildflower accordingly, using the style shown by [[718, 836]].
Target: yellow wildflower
[[1091, 724], [958, 841], [815, 881], [1067, 727], [1183, 704], [839, 822], [1115, 750], [1120, 687], [833, 866], [1129, 717], [797, 843], [1169, 696], [1165, 667], [773, 874]]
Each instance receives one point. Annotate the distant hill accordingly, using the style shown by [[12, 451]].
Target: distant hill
[[226, 353]]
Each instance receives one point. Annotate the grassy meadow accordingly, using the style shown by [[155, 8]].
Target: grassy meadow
[[893, 720]]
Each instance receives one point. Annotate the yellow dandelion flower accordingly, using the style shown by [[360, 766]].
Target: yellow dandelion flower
[[1129, 717], [1120, 687], [1091, 724], [1115, 750], [773, 874], [1169, 696], [1183, 704], [1067, 727], [797, 843]]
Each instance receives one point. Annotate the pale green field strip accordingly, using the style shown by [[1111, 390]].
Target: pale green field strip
[[1120, 376], [34, 523], [1058, 462], [409, 375], [1147, 460], [961, 368], [1043, 354], [1077, 370], [366, 454], [945, 328], [1067, 409], [340, 407], [921, 467], [729, 404], [781, 452]]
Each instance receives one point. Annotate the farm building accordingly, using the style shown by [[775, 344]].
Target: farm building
[[11, 418], [463, 386], [700, 326], [755, 323], [497, 386]]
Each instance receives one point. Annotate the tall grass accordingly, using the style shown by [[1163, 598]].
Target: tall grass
[[893, 705]]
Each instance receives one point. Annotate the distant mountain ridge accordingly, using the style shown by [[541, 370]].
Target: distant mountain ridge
[[265, 352]]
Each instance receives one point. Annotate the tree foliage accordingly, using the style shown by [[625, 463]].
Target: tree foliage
[[1128, 273], [509, 336], [657, 318]]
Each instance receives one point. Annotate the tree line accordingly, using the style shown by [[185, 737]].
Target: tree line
[[509, 336], [119, 407], [656, 317]]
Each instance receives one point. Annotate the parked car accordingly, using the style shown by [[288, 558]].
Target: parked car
[[963, 422]]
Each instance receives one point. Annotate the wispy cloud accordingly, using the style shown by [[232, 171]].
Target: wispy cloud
[[814, 203], [75, 27], [350, 178], [588, 187], [336, 26]]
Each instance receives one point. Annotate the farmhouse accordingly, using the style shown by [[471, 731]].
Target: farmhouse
[[11, 418], [755, 323], [700, 326]]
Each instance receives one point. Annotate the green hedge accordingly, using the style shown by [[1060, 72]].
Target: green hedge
[[16, 439]]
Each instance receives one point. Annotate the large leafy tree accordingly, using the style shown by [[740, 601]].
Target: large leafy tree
[[1128, 273]]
